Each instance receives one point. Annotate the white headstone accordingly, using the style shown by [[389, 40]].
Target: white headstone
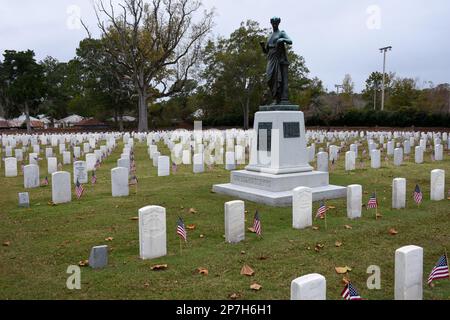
[[186, 158], [409, 273], [310, 287], [123, 163], [375, 159], [31, 176], [399, 193], [33, 158], [418, 154], [350, 161], [437, 185], [163, 166], [439, 152], [322, 161], [24, 199], [61, 187], [48, 152], [80, 172], [155, 158], [199, 165], [354, 201], [91, 161], [234, 221], [18, 153], [152, 232], [119, 182], [77, 152], [301, 208], [67, 157], [52, 165], [10, 167], [398, 157], [230, 161]]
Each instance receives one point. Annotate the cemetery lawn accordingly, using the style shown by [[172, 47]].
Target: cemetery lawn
[[38, 244]]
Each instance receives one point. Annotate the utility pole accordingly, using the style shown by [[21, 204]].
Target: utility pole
[[375, 95], [384, 50], [338, 86]]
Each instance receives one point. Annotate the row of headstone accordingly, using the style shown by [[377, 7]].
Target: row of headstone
[[408, 282]]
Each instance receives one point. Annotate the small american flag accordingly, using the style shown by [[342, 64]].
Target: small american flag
[[94, 178], [97, 164], [133, 181], [79, 189], [321, 211], [257, 224], [174, 167], [440, 270], [44, 182], [181, 230], [373, 202], [350, 293], [418, 196]]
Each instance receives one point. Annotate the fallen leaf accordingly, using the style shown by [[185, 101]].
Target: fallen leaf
[[251, 229], [256, 287], [191, 226], [109, 239], [159, 267], [315, 228], [134, 218], [247, 271], [203, 271], [202, 236], [262, 258], [338, 244], [117, 206], [393, 232], [246, 211], [242, 252], [83, 263], [192, 210], [378, 215], [234, 296], [146, 285], [331, 207], [6, 243], [348, 227], [342, 270]]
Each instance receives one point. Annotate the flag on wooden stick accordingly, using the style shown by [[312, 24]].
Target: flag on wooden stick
[[79, 189]]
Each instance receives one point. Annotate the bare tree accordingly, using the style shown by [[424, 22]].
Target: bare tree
[[156, 43]]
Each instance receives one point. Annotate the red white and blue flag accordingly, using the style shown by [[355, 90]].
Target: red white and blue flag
[[373, 202], [440, 270], [418, 196], [94, 178], [321, 211], [257, 224], [44, 182], [181, 230], [350, 293], [79, 189]]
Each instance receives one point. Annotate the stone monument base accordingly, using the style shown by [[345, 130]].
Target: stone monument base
[[276, 190]]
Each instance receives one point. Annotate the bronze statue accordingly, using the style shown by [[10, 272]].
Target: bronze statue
[[277, 64]]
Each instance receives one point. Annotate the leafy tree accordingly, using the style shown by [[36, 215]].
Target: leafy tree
[[22, 83], [404, 93]]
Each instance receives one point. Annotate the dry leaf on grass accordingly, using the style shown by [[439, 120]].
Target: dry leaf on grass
[[159, 267], [247, 271], [203, 271], [256, 287], [191, 226], [251, 229], [378, 215], [109, 239], [83, 263], [134, 218], [242, 252], [348, 227], [6, 243], [331, 207], [342, 270], [192, 210], [262, 258], [234, 296], [393, 232], [338, 244], [146, 285], [315, 228], [202, 236]]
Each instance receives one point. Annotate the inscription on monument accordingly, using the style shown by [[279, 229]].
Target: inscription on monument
[[252, 181], [291, 130], [265, 128]]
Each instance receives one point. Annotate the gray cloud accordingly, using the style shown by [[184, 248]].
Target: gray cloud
[[333, 36]]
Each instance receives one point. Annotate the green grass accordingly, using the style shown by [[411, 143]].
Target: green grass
[[46, 239]]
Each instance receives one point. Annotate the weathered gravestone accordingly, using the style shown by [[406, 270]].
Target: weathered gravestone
[[309, 287], [61, 187], [31, 176], [234, 221], [24, 200], [301, 208], [119, 182], [152, 232], [99, 257]]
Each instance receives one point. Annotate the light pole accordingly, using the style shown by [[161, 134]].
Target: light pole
[[338, 86], [384, 50], [375, 95]]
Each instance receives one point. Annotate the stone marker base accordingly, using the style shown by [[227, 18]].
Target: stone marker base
[[276, 190]]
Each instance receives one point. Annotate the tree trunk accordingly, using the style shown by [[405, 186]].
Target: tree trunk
[[27, 118], [120, 121], [246, 113], [143, 116]]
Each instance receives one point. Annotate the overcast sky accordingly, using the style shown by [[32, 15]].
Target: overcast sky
[[335, 37]]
